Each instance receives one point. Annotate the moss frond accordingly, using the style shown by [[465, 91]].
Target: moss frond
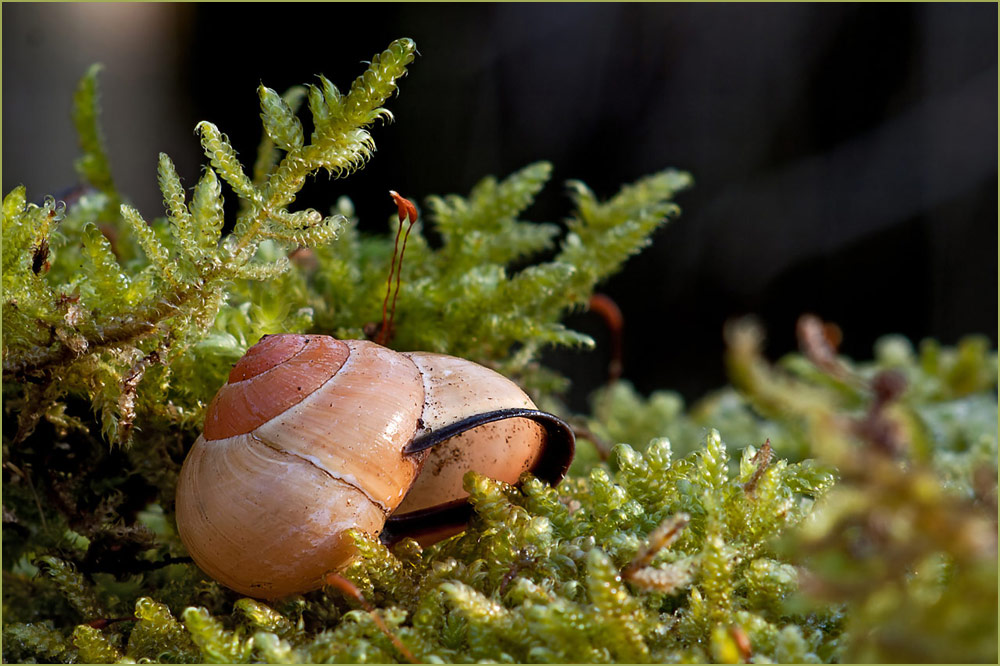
[[268, 152], [37, 641], [280, 123], [93, 165], [152, 306], [498, 313], [158, 636], [94, 647], [217, 644]]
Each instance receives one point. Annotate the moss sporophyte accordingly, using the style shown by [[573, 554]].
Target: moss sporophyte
[[818, 509]]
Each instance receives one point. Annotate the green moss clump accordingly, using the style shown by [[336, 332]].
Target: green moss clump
[[817, 510]]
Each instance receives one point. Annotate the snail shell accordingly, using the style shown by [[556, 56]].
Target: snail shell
[[313, 435]]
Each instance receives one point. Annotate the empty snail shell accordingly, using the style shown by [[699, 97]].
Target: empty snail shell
[[313, 435]]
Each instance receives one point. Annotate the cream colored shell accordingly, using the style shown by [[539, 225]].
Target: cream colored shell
[[456, 389], [266, 523], [355, 425], [264, 512]]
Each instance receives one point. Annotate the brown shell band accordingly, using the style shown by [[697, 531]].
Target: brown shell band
[[276, 373]]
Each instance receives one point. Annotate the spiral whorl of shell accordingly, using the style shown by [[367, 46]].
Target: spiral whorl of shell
[[302, 443]]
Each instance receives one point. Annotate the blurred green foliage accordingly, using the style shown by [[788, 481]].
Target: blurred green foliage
[[816, 510]]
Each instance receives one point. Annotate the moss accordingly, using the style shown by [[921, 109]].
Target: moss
[[818, 509]]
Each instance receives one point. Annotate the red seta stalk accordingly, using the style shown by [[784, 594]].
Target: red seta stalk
[[407, 211]]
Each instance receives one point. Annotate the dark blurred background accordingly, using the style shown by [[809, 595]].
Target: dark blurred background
[[845, 156]]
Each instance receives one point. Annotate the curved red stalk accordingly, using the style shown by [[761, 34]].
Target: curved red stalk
[[407, 211]]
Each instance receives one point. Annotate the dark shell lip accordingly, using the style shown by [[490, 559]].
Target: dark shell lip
[[451, 517], [560, 445]]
